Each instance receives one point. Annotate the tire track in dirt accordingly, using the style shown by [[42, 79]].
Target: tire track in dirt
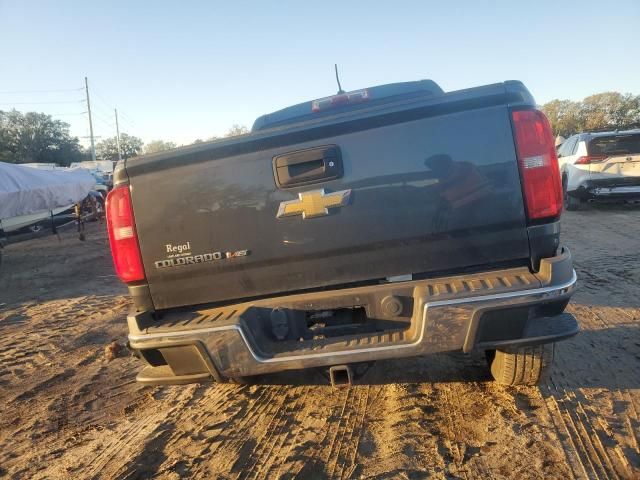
[[343, 450], [346, 454], [600, 441], [47, 343], [332, 450], [250, 424], [134, 435], [353, 465], [48, 356], [250, 417], [155, 453], [306, 435], [286, 463], [402, 428], [45, 384], [154, 450], [269, 445], [218, 432], [453, 395], [593, 459]]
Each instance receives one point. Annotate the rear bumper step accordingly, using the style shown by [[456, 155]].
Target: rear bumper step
[[539, 331], [164, 375], [479, 311]]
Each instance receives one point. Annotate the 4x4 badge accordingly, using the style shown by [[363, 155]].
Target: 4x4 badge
[[315, 203]]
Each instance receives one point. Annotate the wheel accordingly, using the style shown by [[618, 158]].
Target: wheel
[[521, 365], [570, 203], [573, 203]]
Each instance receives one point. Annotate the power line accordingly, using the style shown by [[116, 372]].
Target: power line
[[67, 113], [106, 124], [105, 121], [107, 103], [103, 115], [97, 108], [102, 99], [129, 125], [111, 126], [128, 118], [10, 92], [40, 103]]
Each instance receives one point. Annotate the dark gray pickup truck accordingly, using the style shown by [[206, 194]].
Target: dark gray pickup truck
[[388, 222]]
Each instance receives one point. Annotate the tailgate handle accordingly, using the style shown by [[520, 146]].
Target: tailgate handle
[[305, 167]]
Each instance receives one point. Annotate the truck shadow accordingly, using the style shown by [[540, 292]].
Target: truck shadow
[[605, 358]]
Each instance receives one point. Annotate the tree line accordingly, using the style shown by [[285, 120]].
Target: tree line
[[38, 138], [608, 110], [131, 146]]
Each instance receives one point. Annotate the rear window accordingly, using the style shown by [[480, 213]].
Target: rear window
[[378, 94], [615, 145]]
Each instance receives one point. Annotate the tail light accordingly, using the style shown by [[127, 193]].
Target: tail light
[[538, 164], [338, 100], [586, 160], [122, 235]]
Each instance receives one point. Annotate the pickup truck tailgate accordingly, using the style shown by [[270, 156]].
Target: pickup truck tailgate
[[423, 191]]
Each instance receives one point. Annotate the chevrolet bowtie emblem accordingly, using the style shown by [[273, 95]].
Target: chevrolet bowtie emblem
[[315, 203]]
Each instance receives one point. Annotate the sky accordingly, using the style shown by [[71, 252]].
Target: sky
[[182, 70]]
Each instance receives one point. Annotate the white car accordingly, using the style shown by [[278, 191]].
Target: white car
[[600, 166]]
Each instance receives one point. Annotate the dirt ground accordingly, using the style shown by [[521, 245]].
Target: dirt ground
[[68, 412]]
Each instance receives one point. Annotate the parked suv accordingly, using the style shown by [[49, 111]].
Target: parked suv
[[600, 166], [394, 221]]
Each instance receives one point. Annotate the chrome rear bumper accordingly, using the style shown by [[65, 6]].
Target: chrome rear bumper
[[456, 313]]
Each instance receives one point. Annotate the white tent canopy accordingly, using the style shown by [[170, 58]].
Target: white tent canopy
[[25, 190]]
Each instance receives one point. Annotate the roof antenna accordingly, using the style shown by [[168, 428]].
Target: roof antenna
[[340, 90]]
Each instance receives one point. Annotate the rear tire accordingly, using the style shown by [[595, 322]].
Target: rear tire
[[570, 203], [521, 365]]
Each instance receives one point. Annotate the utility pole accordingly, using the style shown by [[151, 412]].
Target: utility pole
[[117, 135], [93, 145]]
